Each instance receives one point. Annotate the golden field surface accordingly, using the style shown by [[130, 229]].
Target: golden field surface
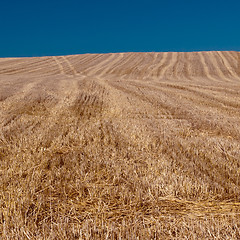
[[120, 146]]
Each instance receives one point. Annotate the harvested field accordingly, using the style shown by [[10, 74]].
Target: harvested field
[[120, 146]]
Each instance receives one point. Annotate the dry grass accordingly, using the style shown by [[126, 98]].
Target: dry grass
[[120, 146]]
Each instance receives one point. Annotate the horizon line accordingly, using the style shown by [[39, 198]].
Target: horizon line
[[75, 54]]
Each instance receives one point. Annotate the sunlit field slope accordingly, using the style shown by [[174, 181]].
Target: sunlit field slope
[[123, 145]]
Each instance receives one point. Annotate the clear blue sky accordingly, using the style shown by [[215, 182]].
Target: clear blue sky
[[56, 27]]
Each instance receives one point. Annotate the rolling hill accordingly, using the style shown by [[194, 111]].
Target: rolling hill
[[121, 145]]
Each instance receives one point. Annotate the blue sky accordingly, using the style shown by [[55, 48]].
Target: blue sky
[[40, 28]]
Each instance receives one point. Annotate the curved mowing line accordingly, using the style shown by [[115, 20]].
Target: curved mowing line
[[172, 63], [226, 62], [70, 65], [157, 65], [101, 65], [187, 67], [218, 68], [133, 65], [231, 55], [175, 66], [205, 68], [156, 72], [59, 65], [118, 64], [23, 66], [89, 60], [112, 63], [114, 59]]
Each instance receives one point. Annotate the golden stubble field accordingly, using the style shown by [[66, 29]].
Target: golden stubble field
[[120, 146]]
